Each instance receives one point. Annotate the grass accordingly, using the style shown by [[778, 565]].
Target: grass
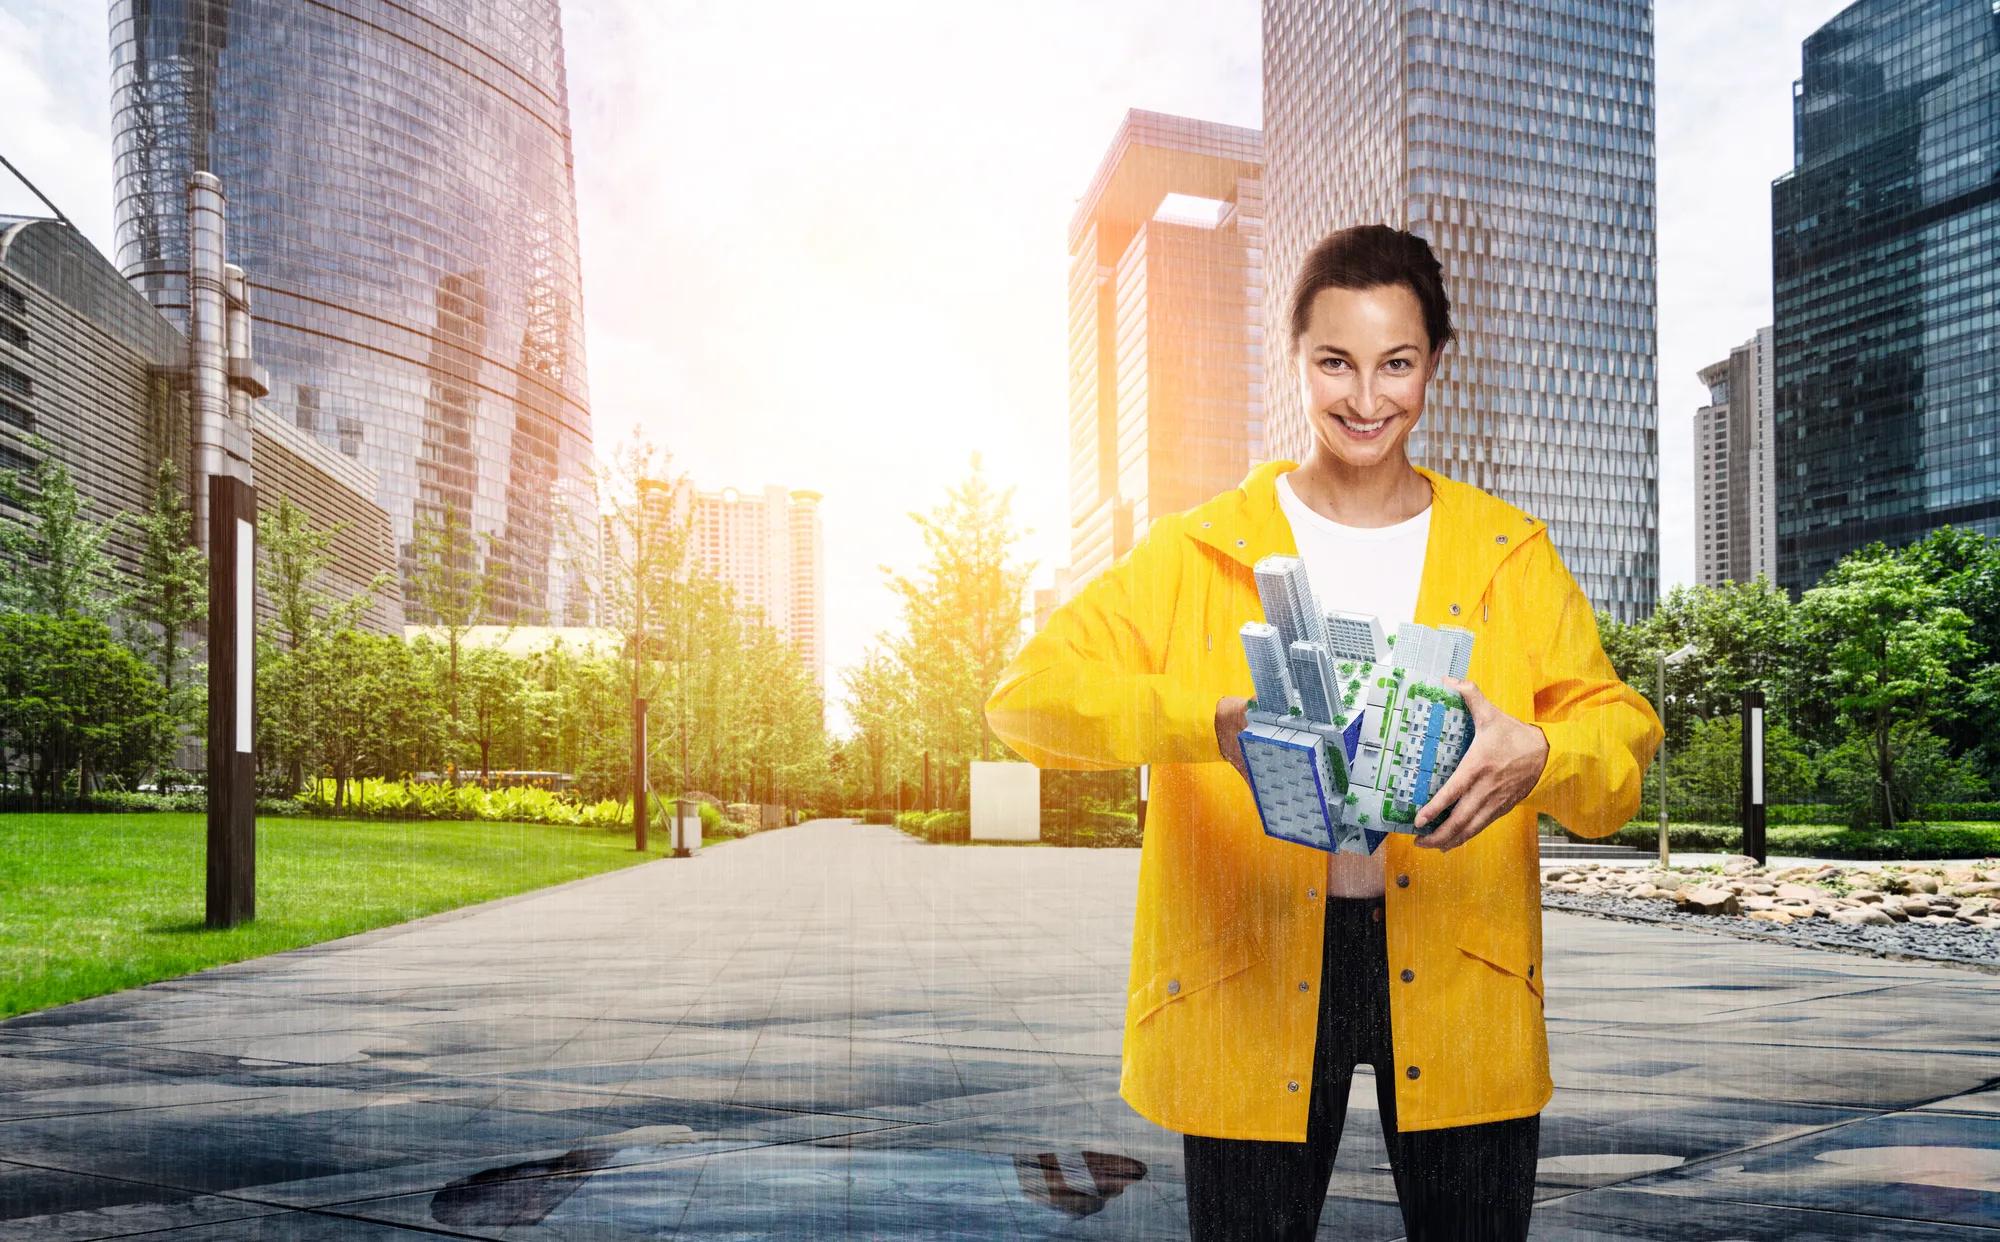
[[91, 904]]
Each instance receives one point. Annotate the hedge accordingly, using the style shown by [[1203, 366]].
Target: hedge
[[1824, 840]]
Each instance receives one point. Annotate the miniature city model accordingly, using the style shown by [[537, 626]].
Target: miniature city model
[[1349, 734]]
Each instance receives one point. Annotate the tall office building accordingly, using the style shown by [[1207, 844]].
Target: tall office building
[[766, 546], [1736, 536], [1884, 283], [1516, 136], [401, 194], [1166, 340]]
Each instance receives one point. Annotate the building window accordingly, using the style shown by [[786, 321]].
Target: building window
[[12, 458], [16, 416], [14, 381], [13, 333], [13, 301]]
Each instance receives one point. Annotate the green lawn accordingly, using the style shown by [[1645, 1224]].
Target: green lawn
[[95, 903]]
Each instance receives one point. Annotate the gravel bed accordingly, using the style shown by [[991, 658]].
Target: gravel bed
[[1977, 947]]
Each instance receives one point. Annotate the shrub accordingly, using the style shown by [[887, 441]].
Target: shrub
[[1825, 840]]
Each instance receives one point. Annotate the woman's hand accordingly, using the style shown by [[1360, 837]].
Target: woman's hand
[[1231, 718], [1503, 763]]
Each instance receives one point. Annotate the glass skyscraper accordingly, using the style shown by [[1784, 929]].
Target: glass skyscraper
[[1516, 136], [1885, 265], [401, 195]]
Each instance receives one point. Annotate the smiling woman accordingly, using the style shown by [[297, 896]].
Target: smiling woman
[[1263, 972]]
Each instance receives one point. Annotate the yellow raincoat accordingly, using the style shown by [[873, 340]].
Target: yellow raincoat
[[1223, 996]]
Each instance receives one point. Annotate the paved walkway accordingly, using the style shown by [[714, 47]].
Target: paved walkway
[[836, 1030]]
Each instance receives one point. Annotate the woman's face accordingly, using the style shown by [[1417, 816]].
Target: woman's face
[[1363, 365]]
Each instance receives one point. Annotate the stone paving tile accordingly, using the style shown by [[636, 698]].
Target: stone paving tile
[[837, 1031]]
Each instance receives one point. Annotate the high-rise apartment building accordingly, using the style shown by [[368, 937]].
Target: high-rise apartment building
[[766, 547], [1736, 531], [1516, 136], [401, 194], [1165, 329], [1885, 283]]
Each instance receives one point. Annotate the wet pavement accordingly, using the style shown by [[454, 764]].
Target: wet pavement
[[838, 1031]]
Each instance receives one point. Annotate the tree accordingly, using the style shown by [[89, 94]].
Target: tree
[[293, 553], [495, 697], [74, 699], [879, 702], [1708, 771], [962, 622], [643, 536], [169, 598], [450, 588], [1888, 640], [55, 561]]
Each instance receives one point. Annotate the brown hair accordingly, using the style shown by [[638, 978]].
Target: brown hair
[[1368, 256]]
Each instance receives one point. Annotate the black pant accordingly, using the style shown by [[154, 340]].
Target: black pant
[[1462, 1182]]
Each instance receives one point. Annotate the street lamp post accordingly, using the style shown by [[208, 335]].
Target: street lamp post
[[1660, 693]]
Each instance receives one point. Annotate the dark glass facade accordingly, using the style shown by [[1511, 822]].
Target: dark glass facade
[[400, 193], [1885, 256], [1516, 136]]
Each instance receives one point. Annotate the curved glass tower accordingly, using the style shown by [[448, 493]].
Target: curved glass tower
[[401, 195]]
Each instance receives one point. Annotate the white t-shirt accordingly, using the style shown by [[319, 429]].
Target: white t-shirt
[[1366, 569]]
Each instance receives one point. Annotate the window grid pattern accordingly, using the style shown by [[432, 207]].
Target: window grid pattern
[[1885, 292], [401, 197], [1517, 138]]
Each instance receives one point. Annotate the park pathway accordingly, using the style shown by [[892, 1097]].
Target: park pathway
[[838, 1031]]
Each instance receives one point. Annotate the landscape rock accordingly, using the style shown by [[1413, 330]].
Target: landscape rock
[[1862, 916]]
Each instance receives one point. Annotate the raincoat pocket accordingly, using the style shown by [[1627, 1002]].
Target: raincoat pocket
[[1189, 972], [1506, 953]]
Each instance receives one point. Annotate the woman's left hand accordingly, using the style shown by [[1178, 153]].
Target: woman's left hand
[[1503, 763]]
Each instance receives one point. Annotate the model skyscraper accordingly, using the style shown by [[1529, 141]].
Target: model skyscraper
[[1350, 732]]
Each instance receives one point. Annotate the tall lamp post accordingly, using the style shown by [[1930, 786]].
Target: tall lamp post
[[1660, 693]]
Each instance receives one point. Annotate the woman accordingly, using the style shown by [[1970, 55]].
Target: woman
[[1263, 971]]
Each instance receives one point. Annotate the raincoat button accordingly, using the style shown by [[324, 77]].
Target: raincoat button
[[1206, 525], [1411, 1072], [1402, 881], [1304, 987], [1291, 1086], [1312, 892], [1241, 542], [1173, 987], [1499, 538], [1531, 972], [1409, 975], [1454, 610]]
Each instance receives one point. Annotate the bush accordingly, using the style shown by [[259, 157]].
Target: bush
[[1977, 812], [379, 799], [1092, 829], [877, 815], [1825, 840]]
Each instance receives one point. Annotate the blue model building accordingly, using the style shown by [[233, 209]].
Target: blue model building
[[1349, 733]]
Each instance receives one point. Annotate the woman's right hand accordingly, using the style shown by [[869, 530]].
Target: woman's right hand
[[1231, 718]]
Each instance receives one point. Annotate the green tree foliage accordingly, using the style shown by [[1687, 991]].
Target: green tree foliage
[[1921, 769], [168, 599], [449, 588], [962, 616], [74, 699], [55, 558], [880, 703], [1888, 640], [293, 553], [1708, 771]]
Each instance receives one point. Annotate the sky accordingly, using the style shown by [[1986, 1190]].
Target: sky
[[824, 245]]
